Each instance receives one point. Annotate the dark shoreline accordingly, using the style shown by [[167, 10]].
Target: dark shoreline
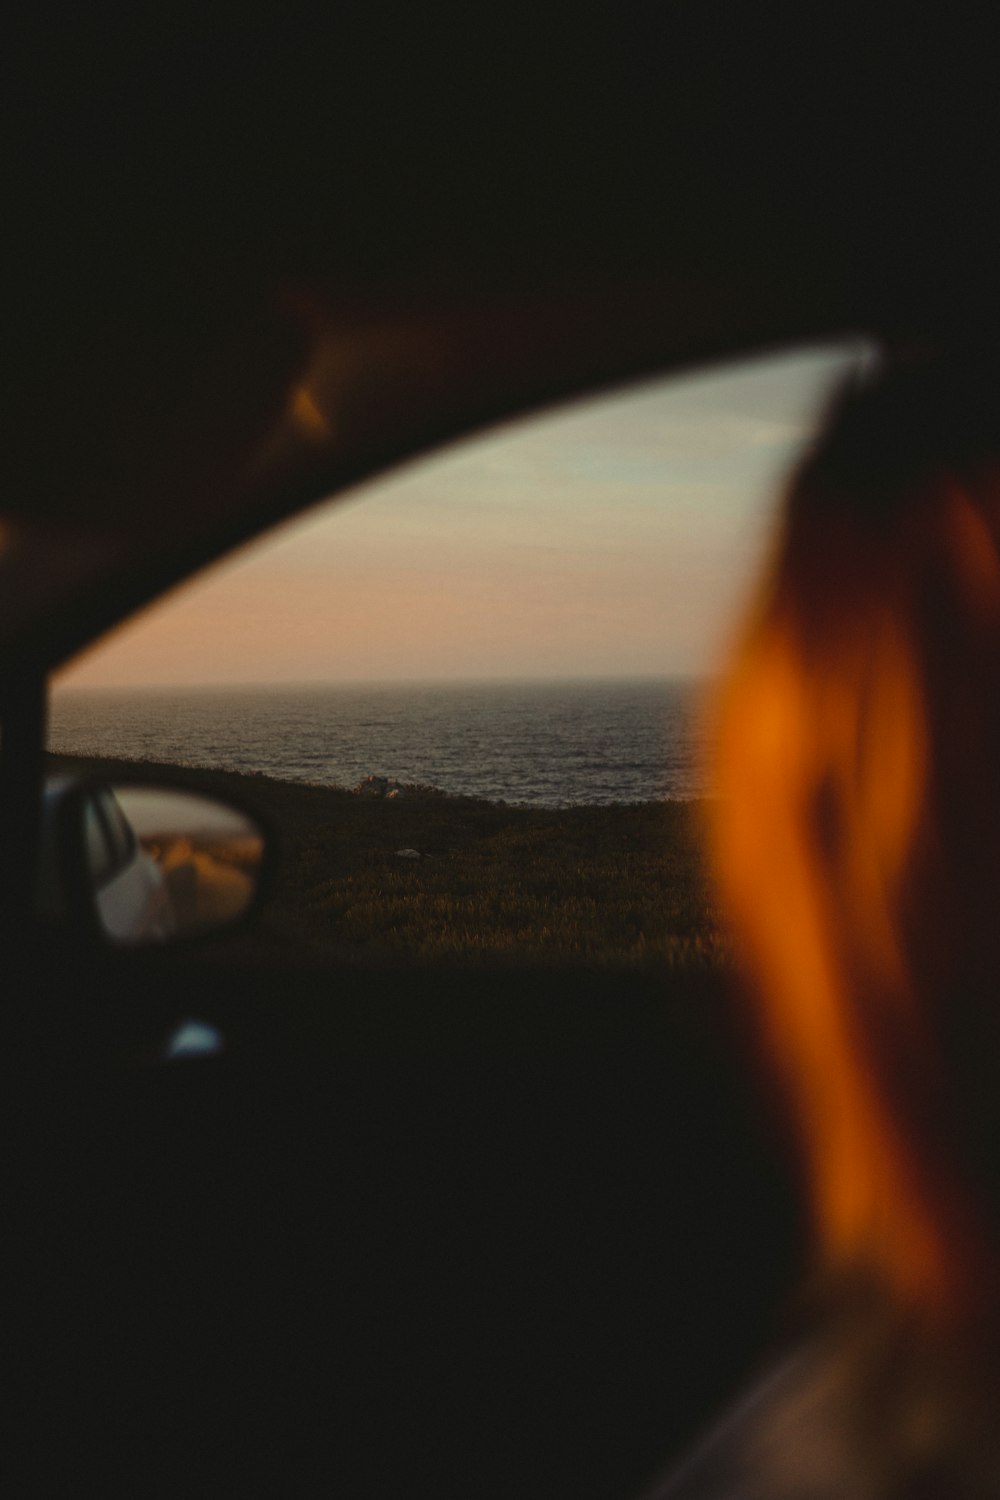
[[618, 884]]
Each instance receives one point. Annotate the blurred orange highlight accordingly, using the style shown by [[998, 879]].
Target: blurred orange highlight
[[831, 791], [307, 415]]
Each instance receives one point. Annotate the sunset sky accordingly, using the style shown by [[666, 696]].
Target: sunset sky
[[614, 537]]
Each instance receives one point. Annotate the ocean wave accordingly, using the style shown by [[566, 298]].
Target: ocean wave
[[544, 745]]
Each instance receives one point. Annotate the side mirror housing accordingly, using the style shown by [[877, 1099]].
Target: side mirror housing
[[142, 861]]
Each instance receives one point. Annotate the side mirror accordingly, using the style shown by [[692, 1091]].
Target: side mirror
[[145, 862]]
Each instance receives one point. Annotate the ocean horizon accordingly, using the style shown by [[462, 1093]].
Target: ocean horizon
[[542, 743]]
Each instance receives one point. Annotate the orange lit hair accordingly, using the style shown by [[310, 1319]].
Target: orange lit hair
[[857, 826]]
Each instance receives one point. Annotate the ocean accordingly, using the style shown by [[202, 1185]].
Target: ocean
[[542, 744]]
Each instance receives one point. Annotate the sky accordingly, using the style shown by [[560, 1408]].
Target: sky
[[617, 536]]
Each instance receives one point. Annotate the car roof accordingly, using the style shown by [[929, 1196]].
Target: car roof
[[263, 255]]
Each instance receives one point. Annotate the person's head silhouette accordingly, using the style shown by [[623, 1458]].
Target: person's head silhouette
[[857, 826]]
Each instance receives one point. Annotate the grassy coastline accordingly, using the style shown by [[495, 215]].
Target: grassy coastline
[[618, 886]]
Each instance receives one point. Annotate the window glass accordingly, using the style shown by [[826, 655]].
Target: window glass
[[119, 833], [471, 690], [100, 859]]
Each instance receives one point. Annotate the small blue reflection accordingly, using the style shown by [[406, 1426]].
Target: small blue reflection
[[194, 1039]]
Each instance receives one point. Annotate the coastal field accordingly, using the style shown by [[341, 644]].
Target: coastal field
[[621, 885]]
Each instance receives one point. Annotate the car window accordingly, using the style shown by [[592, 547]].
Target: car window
[[472, 691], [120, 835], [97, 844]]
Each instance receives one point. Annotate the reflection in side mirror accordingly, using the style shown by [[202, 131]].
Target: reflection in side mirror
[[163, 863]]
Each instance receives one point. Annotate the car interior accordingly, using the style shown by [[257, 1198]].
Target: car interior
[[483, 1231]]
